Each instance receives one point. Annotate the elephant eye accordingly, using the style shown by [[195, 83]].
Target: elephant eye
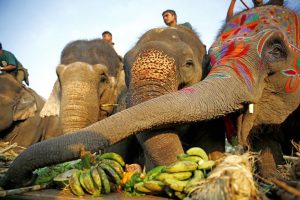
[[189, 63], [276, 51], [103, 78]]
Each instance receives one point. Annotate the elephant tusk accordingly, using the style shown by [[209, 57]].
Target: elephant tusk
[[108, 105], [251, 108]]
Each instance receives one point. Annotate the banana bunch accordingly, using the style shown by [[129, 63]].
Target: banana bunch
[[179, 178], [101, 178]]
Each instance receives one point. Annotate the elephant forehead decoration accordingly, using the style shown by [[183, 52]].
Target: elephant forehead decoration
[[256, 24], [153, 64]]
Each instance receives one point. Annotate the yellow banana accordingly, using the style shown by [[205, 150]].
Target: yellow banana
[[192, 183], [176, 184], [181, 166], [87, 183], [197, 151], [111, 173], [179, 195], [113, 156], [75, 184], [141, 188], [104, 181], [184, 156], [155, 186], [206, 164], [177, 175], [96, 177], [115, 165]]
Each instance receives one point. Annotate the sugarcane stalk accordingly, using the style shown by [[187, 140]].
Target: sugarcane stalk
[[4, 193]]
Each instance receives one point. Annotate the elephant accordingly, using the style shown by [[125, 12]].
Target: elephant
[[19, 114], [150, 73], [255, 64], [90, 78]]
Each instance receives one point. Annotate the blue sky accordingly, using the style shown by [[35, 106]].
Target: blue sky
[[36, 31]]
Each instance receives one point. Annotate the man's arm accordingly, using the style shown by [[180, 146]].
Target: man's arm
[[10, 62], [8, 68]]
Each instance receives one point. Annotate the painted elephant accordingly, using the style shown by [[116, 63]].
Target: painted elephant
[[19, 114], [255, 61], [150, 73]]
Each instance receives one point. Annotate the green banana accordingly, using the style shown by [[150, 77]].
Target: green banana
[[197, 151], [111, 173], [96, 177], [75, 184], [141, 188], [206, 164], [176, 184], [104, 181], [180, 195], [62, 180], [198, 176], [113, 156], [87, 183], [181, 166], [155, 186], [154, 172], [184, 156], [115, 165], [177, 175]]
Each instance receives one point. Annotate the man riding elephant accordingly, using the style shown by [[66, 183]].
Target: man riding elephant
[[10, 64]]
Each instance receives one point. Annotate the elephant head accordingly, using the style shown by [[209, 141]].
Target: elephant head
[[255, 61], [90, 77], [164, 60]]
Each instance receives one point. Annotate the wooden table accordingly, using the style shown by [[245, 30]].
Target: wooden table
[[53, 194]]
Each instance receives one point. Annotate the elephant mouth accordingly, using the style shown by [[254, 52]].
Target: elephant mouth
[[106, 110], [234, 123]]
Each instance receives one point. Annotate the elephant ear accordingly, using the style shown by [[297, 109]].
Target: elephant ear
[[120, 80], [52, 105], [26, 106]]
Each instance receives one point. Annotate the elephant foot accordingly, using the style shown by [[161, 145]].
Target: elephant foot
[[267, 165], [215, 155], [163, 148]]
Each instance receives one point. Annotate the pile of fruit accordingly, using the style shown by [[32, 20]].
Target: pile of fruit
[[105, 173], [177, 179]]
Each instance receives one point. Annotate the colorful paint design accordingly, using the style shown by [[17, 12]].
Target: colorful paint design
[[293, 75], [257, 26], [230, 55]]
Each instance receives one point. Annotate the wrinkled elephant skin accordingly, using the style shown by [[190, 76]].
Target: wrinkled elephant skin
[[19, 114]]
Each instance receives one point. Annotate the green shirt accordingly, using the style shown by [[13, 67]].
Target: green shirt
[[7, 58]]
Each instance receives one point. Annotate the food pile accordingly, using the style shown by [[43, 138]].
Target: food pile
[[176, 180], [105, 173]]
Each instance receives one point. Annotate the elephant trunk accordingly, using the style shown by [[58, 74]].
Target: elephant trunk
[[208, 99], [151, 78], [76, 111]]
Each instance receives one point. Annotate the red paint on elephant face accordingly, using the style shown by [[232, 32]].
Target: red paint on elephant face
[[293, 74], [252, 30], [188, 90]]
